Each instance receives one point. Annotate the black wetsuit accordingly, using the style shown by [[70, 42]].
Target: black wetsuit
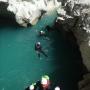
[[42, 34], [39, 50], [27, 88], [38, 86]]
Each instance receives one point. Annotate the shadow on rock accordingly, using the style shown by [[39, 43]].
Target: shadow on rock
[[67, 60]]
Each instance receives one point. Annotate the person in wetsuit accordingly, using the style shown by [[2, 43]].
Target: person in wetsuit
[[45, 81], [42, 33], [38, 49], [57, 88], [36, 86], [27, 88]]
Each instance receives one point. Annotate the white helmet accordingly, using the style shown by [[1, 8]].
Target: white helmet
[[31, 87], [44, 81], [41, 31], [38, 43], [57, 88]]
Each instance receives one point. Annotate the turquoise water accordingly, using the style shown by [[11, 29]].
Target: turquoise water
[[19, 64]]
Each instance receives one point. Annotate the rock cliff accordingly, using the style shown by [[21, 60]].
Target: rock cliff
[[75, 15], [29, 11]]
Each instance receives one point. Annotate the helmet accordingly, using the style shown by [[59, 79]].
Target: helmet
[[38, 43], [31, 87], [47, 77], [57, 88], [44, 80], [41, 31]]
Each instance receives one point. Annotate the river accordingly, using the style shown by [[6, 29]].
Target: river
[[20, 65]]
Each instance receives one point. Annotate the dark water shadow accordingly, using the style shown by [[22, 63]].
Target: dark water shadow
[[67, 60], [8, 22], [7, 18]]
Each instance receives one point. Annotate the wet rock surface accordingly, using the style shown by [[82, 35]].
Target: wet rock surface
[[70, 37], [78, 23], [29, 12]]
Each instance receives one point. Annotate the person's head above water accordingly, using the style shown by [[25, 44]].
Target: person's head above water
[[45, 79], [38, 43], [57, 88], [31, 87], [41, 31]]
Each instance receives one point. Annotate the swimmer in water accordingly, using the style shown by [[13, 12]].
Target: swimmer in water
[[43, 34], [38, 49], [31, 87], [57, 88], [45, 81], [35, 86]]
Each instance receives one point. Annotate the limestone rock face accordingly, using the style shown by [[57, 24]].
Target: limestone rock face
[[4, 13], [75, 15], [85, 83], [29, 11]]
